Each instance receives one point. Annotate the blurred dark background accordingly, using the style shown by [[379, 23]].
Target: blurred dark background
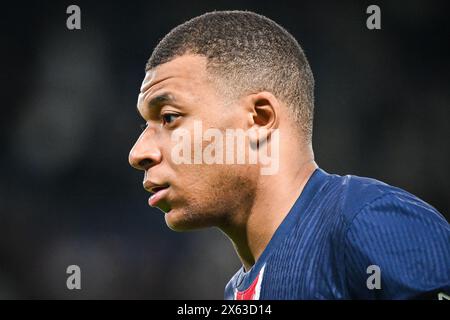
[[68, 121]]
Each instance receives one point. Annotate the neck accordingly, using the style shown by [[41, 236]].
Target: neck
[[275, 197]]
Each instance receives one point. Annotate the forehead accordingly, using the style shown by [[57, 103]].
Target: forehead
[[184, 73]]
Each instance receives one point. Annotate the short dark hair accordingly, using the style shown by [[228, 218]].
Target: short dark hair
[[250, 52]]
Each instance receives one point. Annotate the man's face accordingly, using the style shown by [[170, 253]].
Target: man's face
[[175, 96]]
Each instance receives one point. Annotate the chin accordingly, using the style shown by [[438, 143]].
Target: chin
[[180, 220]]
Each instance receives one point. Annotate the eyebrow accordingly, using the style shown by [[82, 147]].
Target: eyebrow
[[159, 100]]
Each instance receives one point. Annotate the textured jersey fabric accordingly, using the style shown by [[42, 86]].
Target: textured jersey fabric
[[349, 237]]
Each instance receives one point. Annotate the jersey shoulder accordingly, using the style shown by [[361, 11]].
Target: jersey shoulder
[[405, 237], [358, 194]]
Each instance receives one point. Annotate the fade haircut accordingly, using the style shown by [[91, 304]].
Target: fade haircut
[[248, 53]]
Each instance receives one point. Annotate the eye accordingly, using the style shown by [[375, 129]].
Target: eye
[[168, 118]]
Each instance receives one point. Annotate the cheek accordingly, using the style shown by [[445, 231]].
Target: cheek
[[201, 183], [197, 177]]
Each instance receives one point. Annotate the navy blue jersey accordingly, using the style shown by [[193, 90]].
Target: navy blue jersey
[[348, 237]]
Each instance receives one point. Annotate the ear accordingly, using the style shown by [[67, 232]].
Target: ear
[[265, 115]]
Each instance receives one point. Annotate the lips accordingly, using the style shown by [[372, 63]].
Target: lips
[[159, 192], [156, 189], [157, 196]]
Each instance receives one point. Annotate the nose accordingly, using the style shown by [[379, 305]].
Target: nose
[[144, 154]]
